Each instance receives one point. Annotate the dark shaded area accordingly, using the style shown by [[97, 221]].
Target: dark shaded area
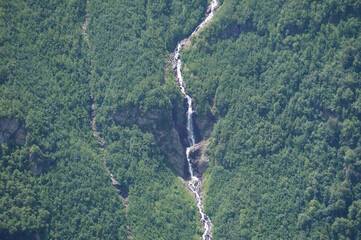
[[11, 131]]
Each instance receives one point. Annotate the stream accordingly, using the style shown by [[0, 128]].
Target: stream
[[194, 183]]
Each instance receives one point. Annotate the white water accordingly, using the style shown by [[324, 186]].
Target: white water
[[194, 182]]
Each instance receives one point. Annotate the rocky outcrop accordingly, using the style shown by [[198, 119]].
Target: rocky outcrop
[[11, 130], [204, 125], [180, 121], [170, 145], [198, 157], [162, 127]]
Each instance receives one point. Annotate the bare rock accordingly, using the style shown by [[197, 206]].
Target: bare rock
[[204, 125], [163, 130], [11, 130], [198, 157], [170, 145]]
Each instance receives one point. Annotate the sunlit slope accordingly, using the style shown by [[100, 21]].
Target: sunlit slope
[[282, 79]]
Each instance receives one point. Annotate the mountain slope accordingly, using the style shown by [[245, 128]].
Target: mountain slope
[[55, 185], [277, 90], [53, 182], [282, 78]]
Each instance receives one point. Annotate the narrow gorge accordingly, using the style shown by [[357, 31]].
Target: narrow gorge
[[194, 183]]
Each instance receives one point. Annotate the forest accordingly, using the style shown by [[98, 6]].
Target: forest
[[277, 92], [283, 80], [54, 183]]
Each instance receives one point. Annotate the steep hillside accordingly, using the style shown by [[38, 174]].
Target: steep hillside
[[282, 79], [88, 94], [54, 182], [139, 109], [54, 185]]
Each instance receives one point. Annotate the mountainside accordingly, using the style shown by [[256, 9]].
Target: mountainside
[[282, 79], [55, 185], [276, 88]]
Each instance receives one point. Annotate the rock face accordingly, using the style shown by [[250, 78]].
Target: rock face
[[180, 121], [164, 132], [198, 157], [204, 125], [11, 130]]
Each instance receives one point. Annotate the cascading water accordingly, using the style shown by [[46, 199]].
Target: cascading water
[[194, 182]]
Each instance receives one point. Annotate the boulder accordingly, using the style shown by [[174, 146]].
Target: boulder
[[198, 157]]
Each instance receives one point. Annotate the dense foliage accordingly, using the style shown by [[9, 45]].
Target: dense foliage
[[131, 75], [131, 42], [55, 186], [283, 80], [159, 206]]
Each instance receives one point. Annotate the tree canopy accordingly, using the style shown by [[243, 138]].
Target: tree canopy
[[282, 78]]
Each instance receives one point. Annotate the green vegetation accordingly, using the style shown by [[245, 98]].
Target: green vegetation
[[159, 208], [131, 42], [130, 73], [283, 80], [55, 186]]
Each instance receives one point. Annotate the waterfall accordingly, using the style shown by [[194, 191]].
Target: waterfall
[[194, 182]]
